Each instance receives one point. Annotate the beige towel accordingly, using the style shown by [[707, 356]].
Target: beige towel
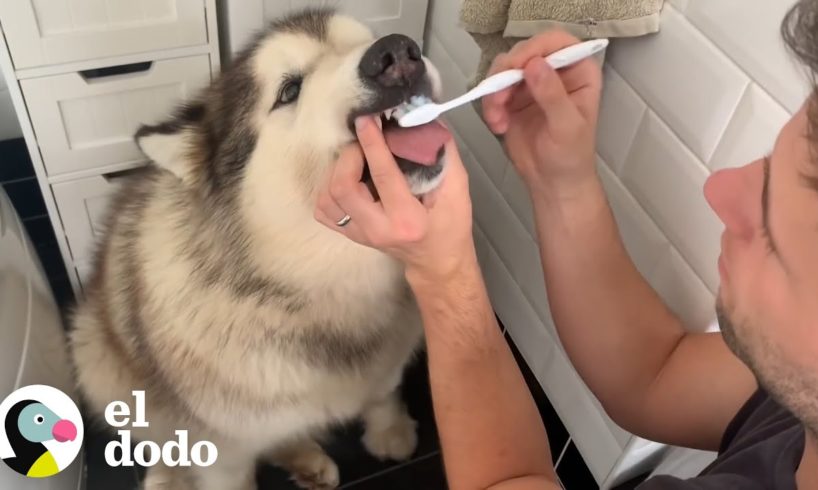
[[496, 25]]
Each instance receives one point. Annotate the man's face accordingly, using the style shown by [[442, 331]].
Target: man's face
[[768, 298]]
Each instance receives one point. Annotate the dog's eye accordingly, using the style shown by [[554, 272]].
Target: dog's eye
[[288, 92]]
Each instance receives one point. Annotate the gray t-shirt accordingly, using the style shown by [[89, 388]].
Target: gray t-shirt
[[761, 449]]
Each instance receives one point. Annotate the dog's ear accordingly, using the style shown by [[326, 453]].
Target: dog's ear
[[174, 144]]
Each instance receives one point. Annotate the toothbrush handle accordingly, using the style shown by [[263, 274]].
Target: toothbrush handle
[[504, 79], [492, 84]]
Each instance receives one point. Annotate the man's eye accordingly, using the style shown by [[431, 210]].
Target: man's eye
[[288, 93]]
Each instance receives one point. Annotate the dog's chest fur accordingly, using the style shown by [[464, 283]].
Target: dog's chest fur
[[239, 345]]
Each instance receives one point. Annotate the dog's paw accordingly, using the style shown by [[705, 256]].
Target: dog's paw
[[315, 471], [397, 441]]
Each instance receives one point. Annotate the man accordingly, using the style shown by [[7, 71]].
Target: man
[[751, 393]]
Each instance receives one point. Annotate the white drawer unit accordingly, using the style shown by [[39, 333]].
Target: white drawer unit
[[83, 205], [48, 32], [85, 120], [384, 17], [83, 75]]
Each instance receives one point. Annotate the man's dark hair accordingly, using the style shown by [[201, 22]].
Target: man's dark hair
[[800, 32]]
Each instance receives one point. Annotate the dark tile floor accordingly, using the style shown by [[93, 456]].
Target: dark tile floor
[[359, 470], [18, 180]]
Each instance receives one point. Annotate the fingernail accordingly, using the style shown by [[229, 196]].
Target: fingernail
[[540, 71], [361, 122]]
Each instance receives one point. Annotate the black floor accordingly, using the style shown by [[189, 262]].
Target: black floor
[[18, 180], [359, 470]]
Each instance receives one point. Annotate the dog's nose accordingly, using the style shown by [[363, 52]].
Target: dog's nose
[[393, 61]]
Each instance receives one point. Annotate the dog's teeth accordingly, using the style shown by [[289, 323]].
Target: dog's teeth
[[380, 122]]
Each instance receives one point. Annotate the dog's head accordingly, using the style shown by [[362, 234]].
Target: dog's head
[[274, 121]]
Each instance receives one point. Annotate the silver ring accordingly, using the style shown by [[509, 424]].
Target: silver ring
[[343, 221]]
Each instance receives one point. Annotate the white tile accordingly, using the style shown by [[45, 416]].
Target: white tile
[[753, 130], [530, 334], [684, 78], [621, 110], [643, 240], [444, 22], [510, 239], [668, 181], [9, 127], [517, 196], [748, 31], [683, 292], [681, 5], [465, 119]]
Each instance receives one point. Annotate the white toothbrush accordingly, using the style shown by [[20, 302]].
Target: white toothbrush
[[422, 110]]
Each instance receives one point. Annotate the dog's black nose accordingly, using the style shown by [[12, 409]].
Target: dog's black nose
[[393, 61]]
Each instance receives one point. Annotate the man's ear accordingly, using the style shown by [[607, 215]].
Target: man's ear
[[173, 144]]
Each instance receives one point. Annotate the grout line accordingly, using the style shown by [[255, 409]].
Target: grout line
[[32, 218], [562, 453], [21, 179], [389, 470]]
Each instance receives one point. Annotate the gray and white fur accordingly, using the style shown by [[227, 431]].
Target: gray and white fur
[[216, 291]]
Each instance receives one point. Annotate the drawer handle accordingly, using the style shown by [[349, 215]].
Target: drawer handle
[[98, 74], [110, 177]]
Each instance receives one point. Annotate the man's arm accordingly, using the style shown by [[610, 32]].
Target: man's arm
[[491, 432], [653, 379]]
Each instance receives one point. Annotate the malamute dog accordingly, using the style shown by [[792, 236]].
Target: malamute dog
[[216, 291]]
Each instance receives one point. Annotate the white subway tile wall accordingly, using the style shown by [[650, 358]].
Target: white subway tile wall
[[711, 90]]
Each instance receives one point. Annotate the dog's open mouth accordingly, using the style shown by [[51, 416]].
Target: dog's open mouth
[[421, 145], [418, 150]]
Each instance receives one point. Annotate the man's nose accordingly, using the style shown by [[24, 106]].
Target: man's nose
[[735, 197], [393, 61]]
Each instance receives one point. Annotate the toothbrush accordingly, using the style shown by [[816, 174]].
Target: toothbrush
[[421, 110]]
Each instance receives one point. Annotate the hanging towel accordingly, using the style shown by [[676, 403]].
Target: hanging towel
[[496, 25]]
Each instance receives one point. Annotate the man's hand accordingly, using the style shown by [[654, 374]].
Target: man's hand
[[549, 121], [432, 236]]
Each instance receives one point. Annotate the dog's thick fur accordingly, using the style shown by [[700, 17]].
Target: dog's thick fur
[[216, 291]]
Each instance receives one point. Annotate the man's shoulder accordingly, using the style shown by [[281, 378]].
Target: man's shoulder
[[761, 448]]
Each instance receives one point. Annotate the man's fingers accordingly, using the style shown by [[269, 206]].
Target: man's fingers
[[496, 106], [583, 82], [345, 179], [389, 180], [346, 190], [549, 93], [495, 112], [538, 46]]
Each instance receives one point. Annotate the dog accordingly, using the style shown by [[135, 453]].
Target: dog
[[215, 290]]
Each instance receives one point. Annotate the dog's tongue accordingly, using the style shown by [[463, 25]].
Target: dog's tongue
[[419, 144]]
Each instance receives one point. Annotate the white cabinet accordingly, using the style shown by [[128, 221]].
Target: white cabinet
[[407, 17], [83, 206], [87, 119], [47, 32], [83, 75]]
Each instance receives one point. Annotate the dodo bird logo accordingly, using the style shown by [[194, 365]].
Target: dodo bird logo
[[42, 431]]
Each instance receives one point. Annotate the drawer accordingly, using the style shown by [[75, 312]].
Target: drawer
[[83, 205], [48, 32], [85, 120]]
